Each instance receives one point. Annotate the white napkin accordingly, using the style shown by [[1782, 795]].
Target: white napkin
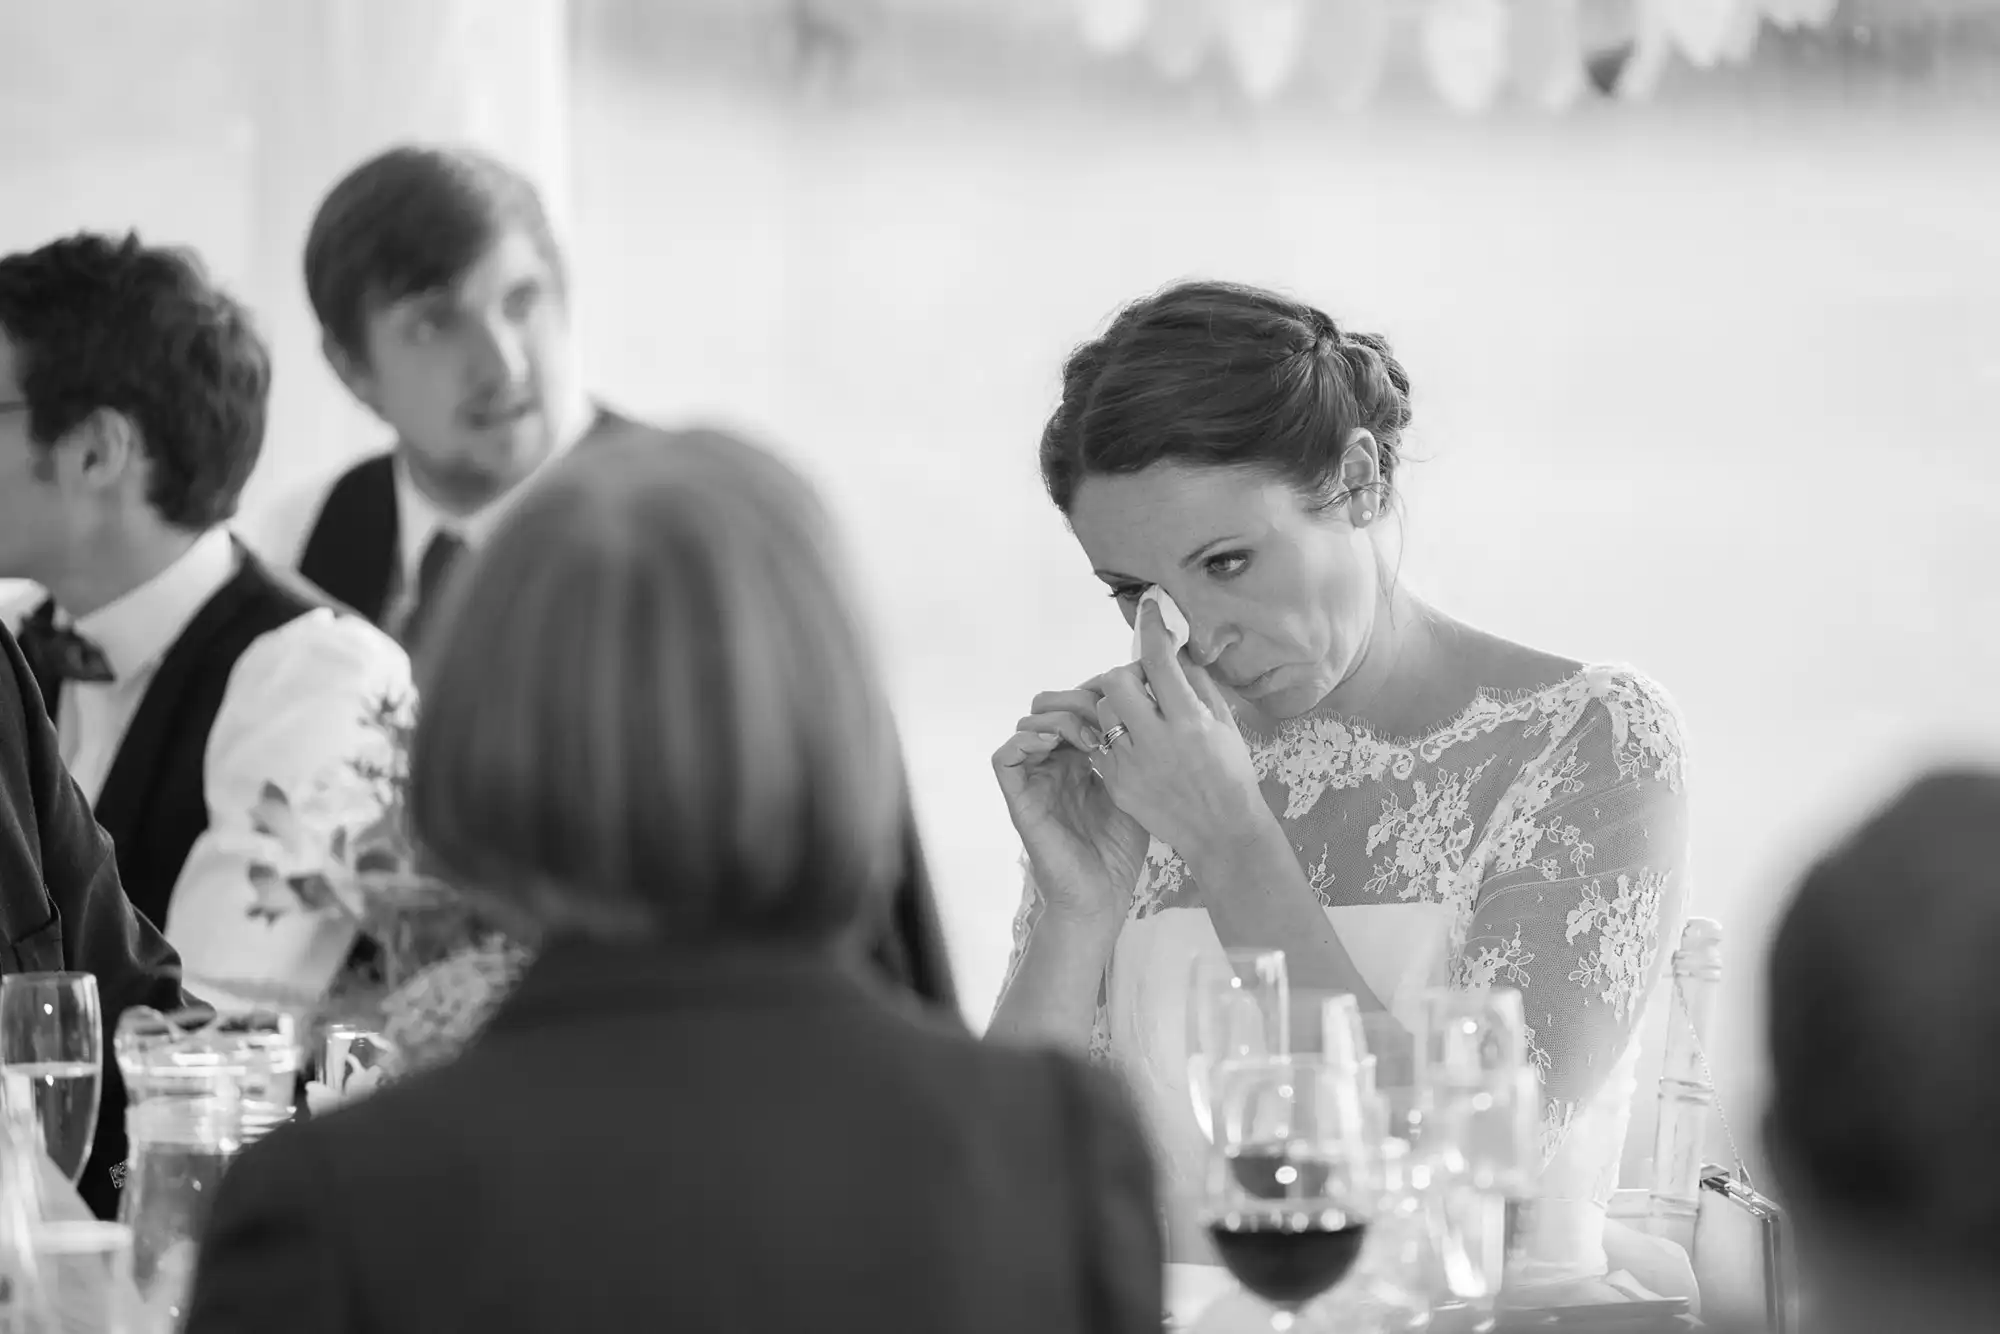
[[1177, 624]]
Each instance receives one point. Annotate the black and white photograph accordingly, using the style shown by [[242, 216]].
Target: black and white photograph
[[999, 666]]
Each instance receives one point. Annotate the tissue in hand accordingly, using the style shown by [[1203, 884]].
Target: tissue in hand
[[1176, 623]]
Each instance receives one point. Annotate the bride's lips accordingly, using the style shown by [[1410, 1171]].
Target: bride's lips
[[1255, 684]]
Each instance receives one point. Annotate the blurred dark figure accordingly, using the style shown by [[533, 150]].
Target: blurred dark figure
[[60, 902], [1884, 1028], [654, 738]]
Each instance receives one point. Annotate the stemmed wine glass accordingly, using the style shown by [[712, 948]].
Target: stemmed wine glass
[[1238, 1006], [52, 1057], [1293, 1189]]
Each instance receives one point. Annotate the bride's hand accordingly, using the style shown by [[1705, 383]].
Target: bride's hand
[[1177, 764], [1085, 851]]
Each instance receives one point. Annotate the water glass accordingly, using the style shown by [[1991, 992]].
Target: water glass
[[1463, 1036], [1238, 1006], [85, 1267], [1480, 1092], [1481, 1115], [52, 1057], [199, 1087], [352, 1061], [1329, 1024]]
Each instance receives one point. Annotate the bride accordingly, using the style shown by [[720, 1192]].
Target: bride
[[1331, 767]]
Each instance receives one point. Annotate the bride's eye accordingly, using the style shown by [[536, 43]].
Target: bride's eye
[[1129, 593], [1228, 564]]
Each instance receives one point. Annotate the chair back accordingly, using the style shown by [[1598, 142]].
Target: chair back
[[1735, 1238], [1660, 1179], [1687, 1085]]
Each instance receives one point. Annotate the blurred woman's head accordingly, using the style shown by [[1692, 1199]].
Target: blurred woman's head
[[1883, 1021], [651, 711], [1237, 449]]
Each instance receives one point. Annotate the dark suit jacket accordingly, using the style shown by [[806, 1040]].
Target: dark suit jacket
[[60, 902], [758, 1141]]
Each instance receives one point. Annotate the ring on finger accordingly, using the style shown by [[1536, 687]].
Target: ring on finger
[[1111, 734]]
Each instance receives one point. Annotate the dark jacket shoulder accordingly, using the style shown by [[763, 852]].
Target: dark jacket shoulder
[[956, 1184]]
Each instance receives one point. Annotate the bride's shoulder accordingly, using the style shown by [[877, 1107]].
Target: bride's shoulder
[[1643, 713], [1505, 667], [1501, 665], [1646, 734]]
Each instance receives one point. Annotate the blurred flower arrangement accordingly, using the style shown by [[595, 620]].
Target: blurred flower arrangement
[[430, 964]]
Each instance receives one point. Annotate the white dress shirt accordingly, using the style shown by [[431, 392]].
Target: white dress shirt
[[294, 713]]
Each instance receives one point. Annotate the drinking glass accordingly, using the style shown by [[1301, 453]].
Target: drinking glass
[[1238, 1006], [1462, 1036], [1481, 1090], [352, 1061], [85, 1267], [1387, 1288], [52, 1055], [199, 1087], [1295, 1184], [1481, 1109], [1329, 1024]]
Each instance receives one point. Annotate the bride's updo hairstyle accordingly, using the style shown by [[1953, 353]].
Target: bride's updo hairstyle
[[1217, 375], [650, 709]]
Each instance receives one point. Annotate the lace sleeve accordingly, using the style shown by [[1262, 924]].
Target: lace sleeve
[[1583, 874], [1025, 917]]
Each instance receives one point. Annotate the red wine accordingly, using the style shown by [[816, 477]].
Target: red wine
[[1286, 1264]]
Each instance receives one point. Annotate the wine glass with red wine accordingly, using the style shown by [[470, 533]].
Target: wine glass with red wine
[[1292, 1187]]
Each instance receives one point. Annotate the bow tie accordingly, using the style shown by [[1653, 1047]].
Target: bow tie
[[57, 653]]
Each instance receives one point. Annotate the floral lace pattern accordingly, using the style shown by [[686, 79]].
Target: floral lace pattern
[[1431, 836], [1551, 823], [1626, 930]]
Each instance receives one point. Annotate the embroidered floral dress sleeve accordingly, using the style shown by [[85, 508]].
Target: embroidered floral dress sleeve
[[1580, 876], [1025, 917]]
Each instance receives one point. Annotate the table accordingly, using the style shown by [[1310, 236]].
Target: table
[[1192, 1288]]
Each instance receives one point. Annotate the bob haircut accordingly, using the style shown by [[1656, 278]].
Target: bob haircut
[[651, 712]]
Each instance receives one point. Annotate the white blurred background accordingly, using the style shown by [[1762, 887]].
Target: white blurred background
[[1708, 383]]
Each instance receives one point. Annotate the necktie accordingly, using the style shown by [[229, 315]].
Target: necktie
[[57, 653], [439, 558]]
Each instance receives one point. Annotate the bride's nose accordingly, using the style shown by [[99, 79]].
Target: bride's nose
[[1207, 638]]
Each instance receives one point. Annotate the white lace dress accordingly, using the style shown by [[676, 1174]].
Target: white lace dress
[[1537, 840]]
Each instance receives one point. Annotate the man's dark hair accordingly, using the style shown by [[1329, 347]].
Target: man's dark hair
[[100, 323], [411, 220]]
